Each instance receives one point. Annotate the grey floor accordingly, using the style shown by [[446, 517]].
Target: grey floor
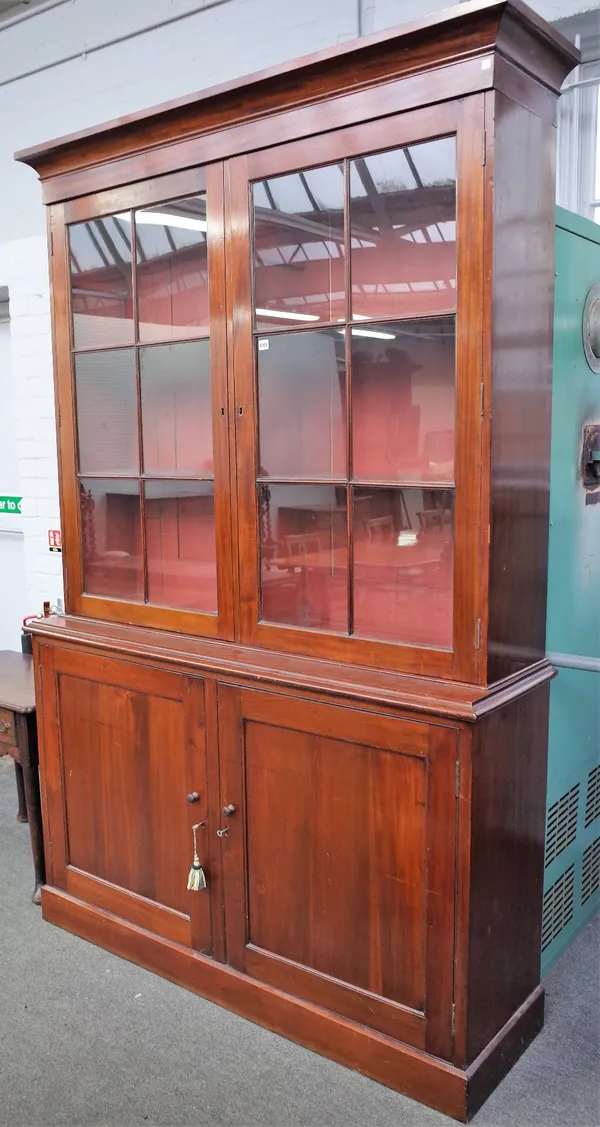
[[86, 1038]]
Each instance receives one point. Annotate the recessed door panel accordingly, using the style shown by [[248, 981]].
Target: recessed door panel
[[124, 762], [340, 847], [336, 870], [129, 742]]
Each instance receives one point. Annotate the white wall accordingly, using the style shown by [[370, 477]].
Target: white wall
[[85, 61], [12, 559], [23, 266]]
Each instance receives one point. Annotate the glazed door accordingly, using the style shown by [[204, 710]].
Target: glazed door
[[339, 859], [352, 275], [143, 404], [123, 746]]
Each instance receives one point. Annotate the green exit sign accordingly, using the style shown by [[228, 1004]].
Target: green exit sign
[[10, 505]]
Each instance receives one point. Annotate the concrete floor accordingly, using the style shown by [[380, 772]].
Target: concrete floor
[[86, 1038]]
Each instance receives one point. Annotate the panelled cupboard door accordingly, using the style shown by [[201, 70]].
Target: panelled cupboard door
[[339, 859], [124, 745]]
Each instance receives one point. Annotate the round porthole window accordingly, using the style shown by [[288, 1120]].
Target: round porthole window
[[591, 328]]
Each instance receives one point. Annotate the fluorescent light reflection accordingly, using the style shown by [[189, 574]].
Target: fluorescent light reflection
[[369, 333], [165, 219], [286, 315]]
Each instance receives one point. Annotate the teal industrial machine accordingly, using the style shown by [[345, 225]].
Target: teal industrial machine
[[572, 861]]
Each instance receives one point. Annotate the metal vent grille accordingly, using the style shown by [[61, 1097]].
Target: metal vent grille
[[561, 827], [558, 907], [590, 872], [592, 798]]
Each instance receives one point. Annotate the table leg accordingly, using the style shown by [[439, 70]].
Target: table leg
[[27, 744], [22, 815]]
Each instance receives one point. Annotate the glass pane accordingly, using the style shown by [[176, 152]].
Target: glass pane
[[111, 539], [101, 283], [176, 408], [107, 412], [403, 230], [180, 544], [403, 557], [302, 404], [403, 400], [303, 555], [299, 272], [172, 270]]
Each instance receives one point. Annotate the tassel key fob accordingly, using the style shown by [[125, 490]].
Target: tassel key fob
[[197, 878]]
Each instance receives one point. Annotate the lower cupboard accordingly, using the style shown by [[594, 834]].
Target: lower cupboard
[[328, 830]]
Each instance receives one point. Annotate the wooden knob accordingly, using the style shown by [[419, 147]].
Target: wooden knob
[[229, 810], [193, 797]]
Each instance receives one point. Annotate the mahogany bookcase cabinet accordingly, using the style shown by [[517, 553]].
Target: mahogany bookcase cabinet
[[302, 339]]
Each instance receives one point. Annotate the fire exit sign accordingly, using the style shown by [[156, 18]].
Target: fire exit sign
[[10, 504]]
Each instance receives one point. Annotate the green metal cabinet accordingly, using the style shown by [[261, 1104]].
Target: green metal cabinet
[[572, 873]]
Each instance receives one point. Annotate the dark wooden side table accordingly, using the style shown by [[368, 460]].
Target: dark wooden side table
[[18, 738]]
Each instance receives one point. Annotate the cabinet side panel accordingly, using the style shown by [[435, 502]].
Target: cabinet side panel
[[521, 177], [507, 863]]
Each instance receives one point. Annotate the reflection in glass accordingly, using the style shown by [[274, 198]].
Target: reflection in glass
[[403, 400], [107, 411], [302, 404], [111, 538], [176, 408], [303, 555], [403, 230], [172, 270], [402, 565], [299, 247], [180, 543], [101, 282]]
